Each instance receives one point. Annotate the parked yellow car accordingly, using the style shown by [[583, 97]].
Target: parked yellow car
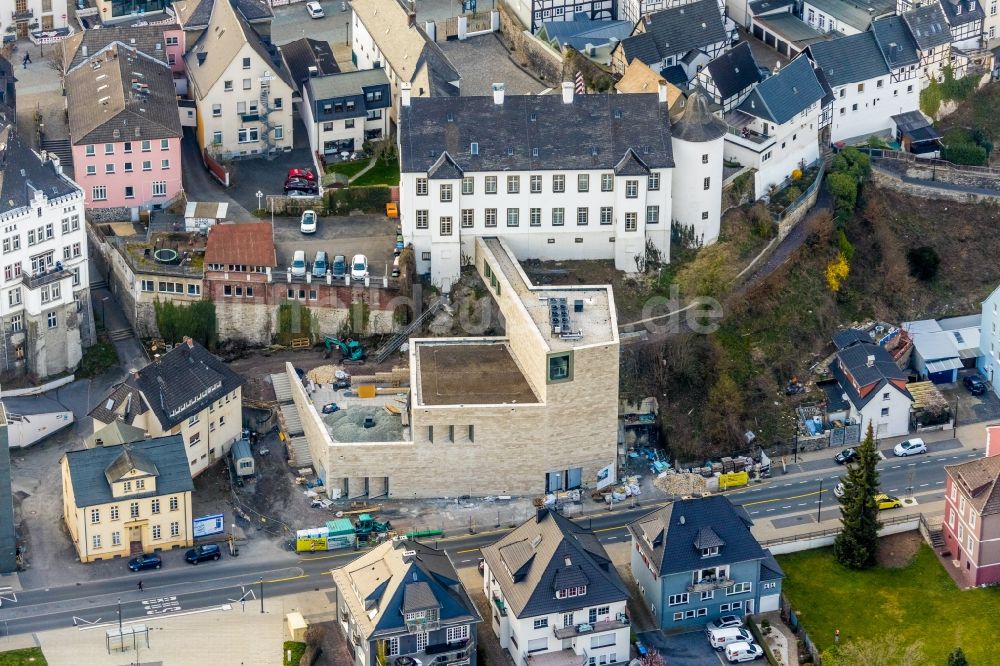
[[887, 502]]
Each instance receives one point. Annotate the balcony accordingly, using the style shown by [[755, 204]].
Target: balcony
[[45, 277], [501, 605], [441, 654], [711, 583], [419, 625], [598, 627], [22, 15]]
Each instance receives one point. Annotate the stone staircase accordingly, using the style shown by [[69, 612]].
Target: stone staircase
[[937, 539], [120, 334], [62, 150], [99, 284]]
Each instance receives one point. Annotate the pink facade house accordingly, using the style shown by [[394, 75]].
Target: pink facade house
[[125, 131], [972, 515]]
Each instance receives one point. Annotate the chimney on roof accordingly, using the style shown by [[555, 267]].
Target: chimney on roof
[[411, 14], [404, 93], [540, 514], [567, 92], [189, 341], [134, 373], [871, 360], [662, 90], [83, 49], [498, 89]]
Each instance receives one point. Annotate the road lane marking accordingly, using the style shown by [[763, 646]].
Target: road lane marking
[[782, 499], [467, 550], [283, 580]]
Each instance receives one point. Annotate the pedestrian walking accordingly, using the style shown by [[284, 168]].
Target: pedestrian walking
[[140, 585], [26, 61]]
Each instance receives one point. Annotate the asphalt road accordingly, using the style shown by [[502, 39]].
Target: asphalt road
[[182, 588]]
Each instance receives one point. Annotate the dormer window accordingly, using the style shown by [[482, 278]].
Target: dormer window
[[710, 552], [578, 591]]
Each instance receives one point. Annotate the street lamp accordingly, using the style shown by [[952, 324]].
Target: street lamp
[[819, 511], [260, 195], [261, 595], [347, 33]]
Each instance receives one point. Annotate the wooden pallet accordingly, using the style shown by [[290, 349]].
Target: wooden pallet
[[301, 343]]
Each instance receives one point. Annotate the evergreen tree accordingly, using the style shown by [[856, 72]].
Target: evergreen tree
[[957, 658], [856, 545]]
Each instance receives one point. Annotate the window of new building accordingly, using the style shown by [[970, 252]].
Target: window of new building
[[560, 367]]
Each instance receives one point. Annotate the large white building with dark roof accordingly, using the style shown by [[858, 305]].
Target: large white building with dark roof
[[556, 176], [45, 307]]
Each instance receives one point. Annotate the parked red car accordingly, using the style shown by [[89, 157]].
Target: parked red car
[[301, 173]]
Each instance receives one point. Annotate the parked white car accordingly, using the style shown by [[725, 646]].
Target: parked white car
[[299, 264], [838, 490], [359, 267], [308, 223], [741, 651], [910, 447], [315, 10], [724, 622]]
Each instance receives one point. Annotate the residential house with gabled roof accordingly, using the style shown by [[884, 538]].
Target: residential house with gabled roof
[[873, 384], [846, 17], [125, 499], [775, 128], [972, 515], [403, 603], [517, 167], [125, 130], [186, 391], [729, 78], [685, 37], [241, 88], [385, 34], [639, 78], [965, 18], [931, 33], [866, 91], [555, 596], [193, 16], [343, 111], [160, 41], [695, 560], [532, 13], [594, 38], [308, 57]]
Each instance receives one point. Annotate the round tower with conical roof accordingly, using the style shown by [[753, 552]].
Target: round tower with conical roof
[[697, 137]]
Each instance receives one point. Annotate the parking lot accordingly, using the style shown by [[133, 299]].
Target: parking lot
[[291, 21], [689, 649], [970, 408], [371, 235]]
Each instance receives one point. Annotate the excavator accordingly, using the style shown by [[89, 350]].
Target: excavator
[[352, 350]]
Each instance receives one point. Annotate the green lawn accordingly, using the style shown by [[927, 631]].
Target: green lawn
[[297, 649], [347, 168], [383, 173], [917, 603], [25, 657]]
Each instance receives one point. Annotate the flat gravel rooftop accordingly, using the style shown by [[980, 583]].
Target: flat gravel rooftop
[[470, 374]]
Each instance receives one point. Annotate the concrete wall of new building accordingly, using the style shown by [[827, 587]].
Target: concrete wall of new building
[[8, 535]]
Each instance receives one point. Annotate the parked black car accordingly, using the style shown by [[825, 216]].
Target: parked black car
[[201, 553], [150, 561], [846, 456], [301, 185], [975, 385]]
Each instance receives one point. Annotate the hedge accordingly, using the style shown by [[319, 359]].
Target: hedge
[[965, 153], [369, 199]]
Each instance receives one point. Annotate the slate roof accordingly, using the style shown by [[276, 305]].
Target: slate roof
[[525, 122], [674, 75], [304, 53], [895, 41], [129, 459], [8, 94], [668, 536], [951, 10], [849, 336], [121, 94], [853, 362], [980, 483], [929, 26], [556, 552], [384, 577], [734, 70], [794, 29], [696, 123], [675, 31], [780, 97], [194, 14], [346, 84], [148, 39], [87, 469], [855, 13], [849, 59], [178, 385], [22, 171], [759, 7], [405, 49], [116, 432], [769, 568], [221, 42], [245, 244], [582, 31]]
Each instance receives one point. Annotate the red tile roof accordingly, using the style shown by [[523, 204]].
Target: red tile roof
[[247, 244]]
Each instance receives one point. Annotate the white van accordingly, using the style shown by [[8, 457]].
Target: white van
[[740, 651], [720, 638]]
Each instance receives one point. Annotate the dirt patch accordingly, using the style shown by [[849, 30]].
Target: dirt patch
[[897, 550]]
